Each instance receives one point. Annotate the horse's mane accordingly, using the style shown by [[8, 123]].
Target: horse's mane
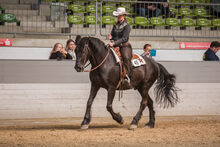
[[97, 43]]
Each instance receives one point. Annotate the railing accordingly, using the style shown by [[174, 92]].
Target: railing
[[184, 18], [48, 17], [188, 20]]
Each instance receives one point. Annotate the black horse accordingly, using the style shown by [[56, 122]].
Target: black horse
[[105, 73]]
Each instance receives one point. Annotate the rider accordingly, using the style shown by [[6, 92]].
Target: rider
[[119, 38]]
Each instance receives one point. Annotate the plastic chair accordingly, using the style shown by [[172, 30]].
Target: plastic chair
[[74, 19], [201, 12], [185, 12], [9, 18], [173, 10], [172, 22], [108, 9], [129, 20], [128, 9], [207, 1], [91, 9], [157, 21], [172, 5], [141, 21], [90, 19], [183, 2], [108, 20], [196, 2], [187, 22], [215, 24], [202, 22], [76, 8]]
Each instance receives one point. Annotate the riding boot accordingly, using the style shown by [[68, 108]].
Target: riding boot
[[126, 52], [128, 68]]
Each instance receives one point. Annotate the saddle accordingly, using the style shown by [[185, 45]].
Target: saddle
[[136, 60]]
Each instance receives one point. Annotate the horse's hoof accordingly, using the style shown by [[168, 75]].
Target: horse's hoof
[[122, 122], [132, 127], [84, 127], [149, 125]]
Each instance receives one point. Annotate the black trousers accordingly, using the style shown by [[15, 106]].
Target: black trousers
[[126, 53]]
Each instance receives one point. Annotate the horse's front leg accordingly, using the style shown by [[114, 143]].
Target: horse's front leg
[[87, 118], [116, 116]]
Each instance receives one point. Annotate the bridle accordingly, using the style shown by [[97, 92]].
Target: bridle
[[100, 64]]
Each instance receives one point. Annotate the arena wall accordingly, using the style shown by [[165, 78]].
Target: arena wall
[[41, 53], [52, 89]]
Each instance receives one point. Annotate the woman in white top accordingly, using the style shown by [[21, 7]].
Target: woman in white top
[[70, 47]]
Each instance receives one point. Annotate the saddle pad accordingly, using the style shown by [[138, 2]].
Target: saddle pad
[[136, 61], [116, 55]]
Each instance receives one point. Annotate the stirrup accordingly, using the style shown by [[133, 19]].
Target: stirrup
[[127, 79]]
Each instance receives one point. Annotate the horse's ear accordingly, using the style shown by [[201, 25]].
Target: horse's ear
[[78, 38]]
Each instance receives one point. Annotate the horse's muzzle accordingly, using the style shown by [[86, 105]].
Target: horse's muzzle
[[79, 68]]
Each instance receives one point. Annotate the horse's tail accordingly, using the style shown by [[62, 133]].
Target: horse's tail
[[166, 92]]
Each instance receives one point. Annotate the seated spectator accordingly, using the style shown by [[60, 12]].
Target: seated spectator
[[215, 9], [210, 54], [147, 48], [154, 9], [70, 47], [164, 9], [59, 53], [147, 9]]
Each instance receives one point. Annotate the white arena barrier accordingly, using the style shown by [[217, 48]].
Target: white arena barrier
[[53, 89]]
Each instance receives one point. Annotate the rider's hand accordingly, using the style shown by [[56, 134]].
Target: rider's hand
[[111, 44], [109, 36]]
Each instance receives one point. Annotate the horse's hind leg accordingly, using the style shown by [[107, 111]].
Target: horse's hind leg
[[116, 116], [87, 118], [143, 90], [151, 113]]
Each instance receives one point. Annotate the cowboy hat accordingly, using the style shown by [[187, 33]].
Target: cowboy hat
[[120, 11]]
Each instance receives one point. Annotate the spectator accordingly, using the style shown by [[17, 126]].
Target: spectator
[[147, 9], [210, 54], [215, 9], [154, 9], [147, 48], [164, 9], [59, 53], [70, 47]]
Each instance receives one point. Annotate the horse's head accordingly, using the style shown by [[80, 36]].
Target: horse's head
[[82, 52]]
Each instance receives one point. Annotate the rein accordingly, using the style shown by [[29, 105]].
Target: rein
[[100, 63], [119, 84]]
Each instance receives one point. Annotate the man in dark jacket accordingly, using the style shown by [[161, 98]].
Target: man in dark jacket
[[148, 9], [210, 54], [164, 8]]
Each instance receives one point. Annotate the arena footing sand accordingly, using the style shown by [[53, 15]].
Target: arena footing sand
[[187, 131]]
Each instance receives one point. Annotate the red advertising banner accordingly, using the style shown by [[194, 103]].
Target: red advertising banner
[[194, 45], [5, 42]]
